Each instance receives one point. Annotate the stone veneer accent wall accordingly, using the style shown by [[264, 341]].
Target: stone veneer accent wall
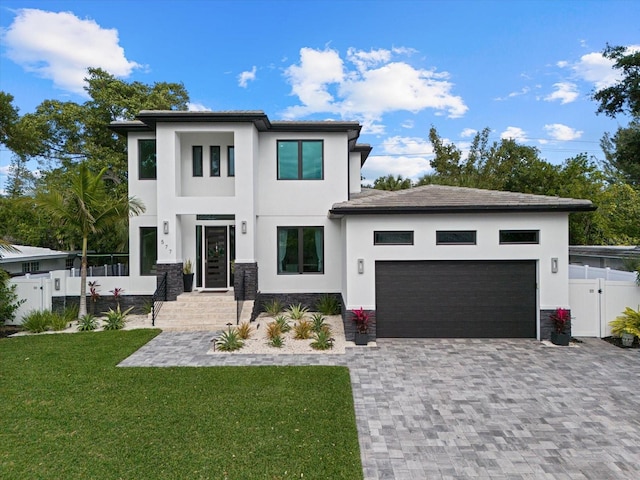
[[104, 303], [248, 271], [350, 326], [174, 279], [308, 300], [546, 324]]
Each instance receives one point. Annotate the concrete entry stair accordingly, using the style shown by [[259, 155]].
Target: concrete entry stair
[[205, 311]]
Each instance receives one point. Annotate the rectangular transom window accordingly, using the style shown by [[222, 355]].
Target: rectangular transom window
[[197, 160], [146, 159], [300, 250], [456, 237], [231, 161], [519, 236], [214, 167], [393, 237], [148, 250], [300, 159]]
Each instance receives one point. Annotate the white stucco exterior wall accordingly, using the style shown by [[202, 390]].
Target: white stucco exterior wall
[[359, 289]]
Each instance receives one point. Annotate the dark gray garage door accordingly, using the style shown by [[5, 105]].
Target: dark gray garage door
[[456, 299]]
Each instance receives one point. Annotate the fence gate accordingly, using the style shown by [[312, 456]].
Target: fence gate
[[37, 295]]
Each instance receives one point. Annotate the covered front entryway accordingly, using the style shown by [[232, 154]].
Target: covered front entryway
[[456, 299]]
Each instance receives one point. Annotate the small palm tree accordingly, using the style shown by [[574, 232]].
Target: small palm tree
[[392, 183], [87, 207], [6, 247]]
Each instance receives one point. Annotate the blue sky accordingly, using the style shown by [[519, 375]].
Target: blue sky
[[525, 69]]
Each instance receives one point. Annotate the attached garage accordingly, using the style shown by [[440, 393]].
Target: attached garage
[[456, 299]]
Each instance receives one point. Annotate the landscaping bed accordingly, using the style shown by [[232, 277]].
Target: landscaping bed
[[617, 341]]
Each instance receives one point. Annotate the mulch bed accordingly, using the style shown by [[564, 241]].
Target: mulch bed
[[6, 330], [617, 341]]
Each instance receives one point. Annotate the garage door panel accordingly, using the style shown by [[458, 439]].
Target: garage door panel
[[452, 299]]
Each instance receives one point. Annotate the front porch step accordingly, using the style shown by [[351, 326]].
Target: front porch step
[[205, 311]]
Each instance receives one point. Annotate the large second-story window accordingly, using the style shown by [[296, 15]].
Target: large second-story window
[[214, 168], [197, 160], [300, 159], [146, 159], [300, 250], [231, 161]]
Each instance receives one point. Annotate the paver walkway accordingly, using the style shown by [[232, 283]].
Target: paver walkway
[[499, 409]]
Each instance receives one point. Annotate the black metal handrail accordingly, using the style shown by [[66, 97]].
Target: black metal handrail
[[159, 297]]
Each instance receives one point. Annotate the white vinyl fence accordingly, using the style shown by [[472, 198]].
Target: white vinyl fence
[[595, 302], [586, 272], [36, 291]]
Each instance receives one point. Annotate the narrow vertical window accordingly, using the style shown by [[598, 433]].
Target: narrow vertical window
[[148, 250], [146, 159], [197, 160], [214, 169], [231, 161]]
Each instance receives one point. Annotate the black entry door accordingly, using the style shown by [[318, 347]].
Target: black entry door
[[216, 257], [456, 299]]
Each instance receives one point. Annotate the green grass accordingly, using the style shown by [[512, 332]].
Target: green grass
[[67, 411]]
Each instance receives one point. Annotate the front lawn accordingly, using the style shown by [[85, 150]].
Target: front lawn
[[67, 411]]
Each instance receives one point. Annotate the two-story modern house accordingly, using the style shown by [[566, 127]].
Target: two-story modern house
[[277, 209]]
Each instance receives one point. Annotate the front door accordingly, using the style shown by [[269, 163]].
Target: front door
[[216, 257]]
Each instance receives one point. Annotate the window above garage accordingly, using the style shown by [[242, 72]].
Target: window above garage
[[394, 237], [456, 237], [508, 237]]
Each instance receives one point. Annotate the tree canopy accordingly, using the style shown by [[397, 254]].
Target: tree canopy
[[622, 150], [61, 135]]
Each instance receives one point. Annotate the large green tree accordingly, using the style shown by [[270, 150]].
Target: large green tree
[[58, 136], [86, 208], [391, 182], [622, 150]]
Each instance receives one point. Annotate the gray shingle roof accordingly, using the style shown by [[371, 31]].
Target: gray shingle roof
[[446, 199]]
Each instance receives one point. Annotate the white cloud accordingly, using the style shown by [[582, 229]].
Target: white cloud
[[596, 69], [560, 132], [61, 46], [369, 86], [5, 170], [408, 167], [408, 124], [566, 92], [197, 107], [407, 146], [245, 77], [468, 132], [514, 133]]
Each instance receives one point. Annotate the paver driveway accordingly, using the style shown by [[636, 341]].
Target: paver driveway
[[472, 408]]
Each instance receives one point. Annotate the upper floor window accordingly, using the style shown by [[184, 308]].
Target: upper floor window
[[197, 160], [519, 236], [214, 168], [456, 237], [147, 159], [393, 237], [231, 161], [300, 159], [300, 250]]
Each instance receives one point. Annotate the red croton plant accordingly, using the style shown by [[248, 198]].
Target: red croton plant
[[560, 319], [361, 319]]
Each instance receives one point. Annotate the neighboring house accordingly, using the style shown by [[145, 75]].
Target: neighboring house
[[602, 256], [33, 260], [275, 209]]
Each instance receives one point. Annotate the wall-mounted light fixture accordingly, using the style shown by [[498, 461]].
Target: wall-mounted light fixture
[[554, 265], [165, 227], [56, 283], [361, 265], [243, 226]]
